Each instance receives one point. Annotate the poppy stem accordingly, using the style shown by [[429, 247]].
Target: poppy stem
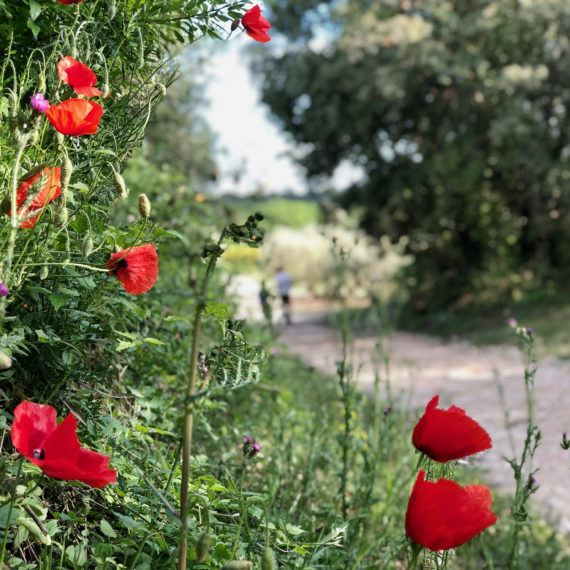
[[104, 270], [10, 508], [189, 415]]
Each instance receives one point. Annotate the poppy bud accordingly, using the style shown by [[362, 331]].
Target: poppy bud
[[162, 88], [87, 246], [61, 216], [203, 547], [119, 184], [44, 272], [235, 24], [66, 171], [268, 559], [5, 361], [112, 9], [144, 206], [59, 138], [105, 89], [237, 565]]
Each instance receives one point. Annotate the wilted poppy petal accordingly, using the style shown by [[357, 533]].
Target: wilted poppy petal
[[78, 75], [256, 25], [136, 268], [32, 424], [444, 435], [75, 117], [443, 515]]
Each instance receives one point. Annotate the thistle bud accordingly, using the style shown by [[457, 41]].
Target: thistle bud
[[268, 559], [44, 272], [203, 547], [87, 246], [144, 206], [119, 184], [237, 565], [5, 361], [66, 171]]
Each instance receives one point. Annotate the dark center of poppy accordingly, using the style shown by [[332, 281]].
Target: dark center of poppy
[[122, 263], [38, 454]]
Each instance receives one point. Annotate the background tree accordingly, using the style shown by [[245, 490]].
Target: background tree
[[456, 113]]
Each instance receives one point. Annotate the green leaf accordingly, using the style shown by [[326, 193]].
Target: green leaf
[[34, 27], [107, 529], [153, 340], [35, 9], [217, 310], [124, 344], [57, 300], [294, 530]]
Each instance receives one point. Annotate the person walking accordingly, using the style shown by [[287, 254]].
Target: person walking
[[284, 281]]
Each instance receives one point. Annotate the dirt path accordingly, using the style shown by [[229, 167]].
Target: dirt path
[[468, 377], [465, 376]]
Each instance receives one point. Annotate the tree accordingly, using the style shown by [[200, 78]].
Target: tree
[[456, 114]]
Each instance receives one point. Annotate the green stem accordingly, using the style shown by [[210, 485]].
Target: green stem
[[5, 541], [189, 416]]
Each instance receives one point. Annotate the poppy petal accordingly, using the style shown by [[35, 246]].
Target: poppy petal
[[32, 424], [445, 435], [256, 26], [75, 117], [136, 268]]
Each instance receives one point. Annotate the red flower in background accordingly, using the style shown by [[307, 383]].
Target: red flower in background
[[69, 1], [55, 448], [256, 25], [75, 117], [449, 434], [79, 76], [51, 189], [444, 514], [136, 268]]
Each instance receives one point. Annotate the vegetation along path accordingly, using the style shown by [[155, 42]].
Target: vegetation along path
[[469, 377]]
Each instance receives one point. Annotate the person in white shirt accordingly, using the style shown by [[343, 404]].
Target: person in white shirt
[[283, 281]]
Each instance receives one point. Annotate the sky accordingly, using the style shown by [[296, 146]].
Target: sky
[[247, 139]]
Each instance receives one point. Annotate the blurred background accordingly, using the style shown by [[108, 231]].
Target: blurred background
[[427, 140]]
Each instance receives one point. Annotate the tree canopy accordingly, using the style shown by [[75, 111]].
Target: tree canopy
[[456, 113]]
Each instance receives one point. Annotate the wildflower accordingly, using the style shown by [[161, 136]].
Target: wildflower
[[69, 1], [250, 446], [256, 25], [443, 514], [78, 76], [387, 410], [75, 117], [50, 190], [136, 268], [512, 322], [55, 448], [39, 103], [449, 434], [4, 291]]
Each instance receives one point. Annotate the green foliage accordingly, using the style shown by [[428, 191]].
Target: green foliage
[[454, 113]]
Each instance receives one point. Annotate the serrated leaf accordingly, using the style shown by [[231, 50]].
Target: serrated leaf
[[294, 530], [217, 310], [153, 340], [57, 300], [107, 529], [35, 9], [124, 344]]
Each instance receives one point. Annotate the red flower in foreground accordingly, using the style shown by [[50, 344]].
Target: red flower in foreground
[[79, 76], [51, 189], [444, 514], [75, 117], [256, 25], [136, 268], [55, 448], [444, 435]]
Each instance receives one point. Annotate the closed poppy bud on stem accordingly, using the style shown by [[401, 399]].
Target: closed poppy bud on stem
[[444, 435], [268, 559], [44, 272], [144, 206], [203, 545], [5, 361], [66, 172], [87, 246], [235, 24], [119, 184], [238, 565]]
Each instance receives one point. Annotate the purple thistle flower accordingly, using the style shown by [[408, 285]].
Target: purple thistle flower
[[512, 322], [387, 410], [39, 103], [4, 291], [256, 447], [248, 439]]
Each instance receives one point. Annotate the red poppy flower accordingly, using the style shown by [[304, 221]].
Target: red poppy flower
[[79, 76], [69, 1], [444, 514], [136, 268], [449, 434], [51, 189], [75, 117], [55, 448], [256, 25]]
